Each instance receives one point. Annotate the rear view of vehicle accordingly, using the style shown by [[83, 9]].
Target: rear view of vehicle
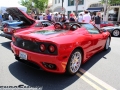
[[8, 32], [61, 49]]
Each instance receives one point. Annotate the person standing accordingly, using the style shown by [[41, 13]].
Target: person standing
[[49, 17], [56, 18], [86, 17], [80, 18], [63, 18], [97, 20], [10, 18], [40, 17], [71, 19], [52, 17], [59, 16], [33, 15]]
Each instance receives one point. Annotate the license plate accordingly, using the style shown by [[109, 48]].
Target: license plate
[[23, 55], [9, 30]]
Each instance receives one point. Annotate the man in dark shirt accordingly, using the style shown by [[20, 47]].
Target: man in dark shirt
[[97, 20]]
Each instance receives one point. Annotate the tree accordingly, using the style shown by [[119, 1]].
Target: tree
[[38, 4], [41, 4], [107, 4], [27, 3]]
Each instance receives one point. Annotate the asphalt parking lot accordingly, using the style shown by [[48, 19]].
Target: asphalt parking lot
[[101, 72]]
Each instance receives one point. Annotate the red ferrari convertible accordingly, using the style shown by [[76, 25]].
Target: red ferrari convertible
[[27, 24], [62, 48]]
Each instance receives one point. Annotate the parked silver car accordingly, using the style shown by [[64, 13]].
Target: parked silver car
[[114, 30]]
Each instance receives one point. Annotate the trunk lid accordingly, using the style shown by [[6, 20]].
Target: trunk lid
[[15, 12], [58, 36]]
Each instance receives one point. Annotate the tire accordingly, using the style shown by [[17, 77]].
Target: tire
[[116, 33], [107, 44], [74, 62]]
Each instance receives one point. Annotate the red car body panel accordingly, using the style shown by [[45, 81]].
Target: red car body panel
[[16, 30], [105, 25], [39, 58], [65, 42]]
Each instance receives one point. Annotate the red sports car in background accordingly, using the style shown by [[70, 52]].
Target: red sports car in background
[[27, 24], [60, 49], [105, 25]]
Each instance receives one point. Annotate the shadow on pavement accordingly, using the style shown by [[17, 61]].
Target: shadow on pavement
[[49, 81], [6, 45], [94, 59], [33, 77]]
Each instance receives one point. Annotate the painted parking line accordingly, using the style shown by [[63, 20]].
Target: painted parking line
[[97, 80], [89, 82]]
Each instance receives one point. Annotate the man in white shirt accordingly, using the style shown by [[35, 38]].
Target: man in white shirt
[[86, 17], [80, 18]]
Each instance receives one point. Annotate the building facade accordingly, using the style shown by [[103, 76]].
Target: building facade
[[70, 5]]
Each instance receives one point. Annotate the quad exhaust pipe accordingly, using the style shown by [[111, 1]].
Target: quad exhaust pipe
[[49, 66]]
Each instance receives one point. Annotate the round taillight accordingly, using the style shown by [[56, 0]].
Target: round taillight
[[42, 47], [5, 29], [5, 25], [51, 48]]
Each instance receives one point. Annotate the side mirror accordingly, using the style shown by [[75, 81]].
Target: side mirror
[[102, 30]]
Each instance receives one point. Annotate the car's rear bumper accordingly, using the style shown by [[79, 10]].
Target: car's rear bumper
[[9, 36], [41, 60]]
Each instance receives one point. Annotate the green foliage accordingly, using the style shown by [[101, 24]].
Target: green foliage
[[110, 2], [27, 3], [41, 4]]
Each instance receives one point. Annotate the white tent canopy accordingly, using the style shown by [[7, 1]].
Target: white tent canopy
[[4, 6]]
